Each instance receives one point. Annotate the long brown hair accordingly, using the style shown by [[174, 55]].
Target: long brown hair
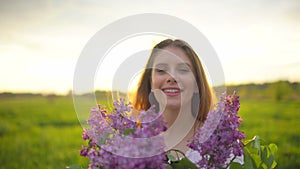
[[141, 101]]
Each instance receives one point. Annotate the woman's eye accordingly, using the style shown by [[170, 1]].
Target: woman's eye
[[184, 70], [160, 70]]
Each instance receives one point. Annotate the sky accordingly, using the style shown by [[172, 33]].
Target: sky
[[40, 41]]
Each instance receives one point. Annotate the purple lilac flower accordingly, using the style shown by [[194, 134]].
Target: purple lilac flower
[[219, 138], [110, 148]]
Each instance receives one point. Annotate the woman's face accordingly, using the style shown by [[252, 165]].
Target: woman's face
[[173, 80]]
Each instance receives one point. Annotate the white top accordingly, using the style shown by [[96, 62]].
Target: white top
[[195, 157]]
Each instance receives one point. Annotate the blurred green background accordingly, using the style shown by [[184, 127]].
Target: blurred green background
[[42, 131]]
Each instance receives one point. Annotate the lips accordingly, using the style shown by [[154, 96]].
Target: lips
[[171, 91]]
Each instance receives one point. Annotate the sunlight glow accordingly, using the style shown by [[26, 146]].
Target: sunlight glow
[[256, 42]]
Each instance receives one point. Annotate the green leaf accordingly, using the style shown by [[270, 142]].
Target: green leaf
[[273, 147], [128, 131], [274, 164], [267, 157], [259, 155], [257, 159], [171, 157], [169, 166], [263, 166], [189, 164], [177, 165], [256, 142], [184, 163], [249, 162], [235, 165]]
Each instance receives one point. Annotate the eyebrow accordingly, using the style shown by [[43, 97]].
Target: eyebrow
[[180, 64], [160, 64]]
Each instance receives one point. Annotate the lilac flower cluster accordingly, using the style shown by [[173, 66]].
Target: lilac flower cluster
[[219, 141], [119, 140]]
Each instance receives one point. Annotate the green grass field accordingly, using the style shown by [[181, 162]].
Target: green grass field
[[38, 132], [276, 122]]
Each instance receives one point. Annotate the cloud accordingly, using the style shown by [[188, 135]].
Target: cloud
[[241, 31], [19, 19]]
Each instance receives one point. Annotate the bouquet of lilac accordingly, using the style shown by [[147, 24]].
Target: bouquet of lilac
[[120, 140], [117, 140], [219, 141]]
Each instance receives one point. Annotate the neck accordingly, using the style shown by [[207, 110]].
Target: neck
[[183, 116], [180, 123], [170, 115]]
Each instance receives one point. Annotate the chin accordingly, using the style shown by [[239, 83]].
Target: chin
[[174, 105]]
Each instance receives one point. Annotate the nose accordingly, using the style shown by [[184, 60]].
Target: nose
[[171, 79]]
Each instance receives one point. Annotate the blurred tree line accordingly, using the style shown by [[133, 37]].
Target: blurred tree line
[[278, 91]]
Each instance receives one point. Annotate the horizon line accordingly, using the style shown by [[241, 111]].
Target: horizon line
[[70, 91]]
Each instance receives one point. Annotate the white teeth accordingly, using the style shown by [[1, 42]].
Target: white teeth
[[171, 90]]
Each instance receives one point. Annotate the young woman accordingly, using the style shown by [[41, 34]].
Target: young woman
[[174, 80]]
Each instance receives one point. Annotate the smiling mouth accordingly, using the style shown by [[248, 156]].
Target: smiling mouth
[[171, 90]]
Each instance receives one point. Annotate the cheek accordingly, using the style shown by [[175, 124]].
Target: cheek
[[157, 81], [188, 82]]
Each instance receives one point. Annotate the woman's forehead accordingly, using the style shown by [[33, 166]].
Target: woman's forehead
[[171, 55]]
